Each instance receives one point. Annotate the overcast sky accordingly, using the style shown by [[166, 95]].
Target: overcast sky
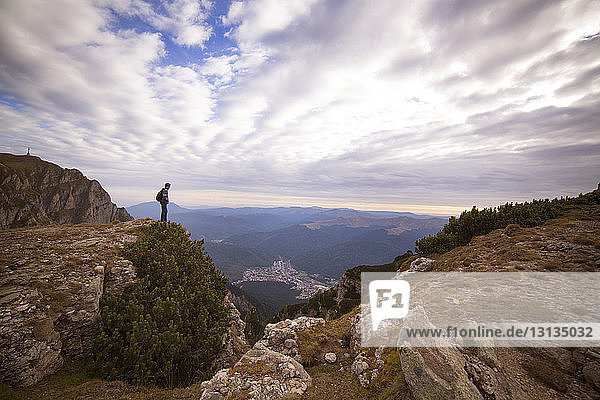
[[426, 106]]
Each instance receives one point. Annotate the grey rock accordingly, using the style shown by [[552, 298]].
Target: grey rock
[[331, 358], [434, 372], [283, 338], [421, 264], [234, 340], [260, 374], [51, 296], [33, 191]]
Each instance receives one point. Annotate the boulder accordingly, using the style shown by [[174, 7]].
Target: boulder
[[434, 372], [421, 264], [282, 336], [331, 358], [260, 374]]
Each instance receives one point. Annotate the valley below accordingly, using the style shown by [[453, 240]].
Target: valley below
[[249, 244]]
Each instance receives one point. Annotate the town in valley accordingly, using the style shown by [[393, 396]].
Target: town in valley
[[282, 271]]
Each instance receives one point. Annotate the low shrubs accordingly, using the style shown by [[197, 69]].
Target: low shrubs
[[459, 231], [166, 328]]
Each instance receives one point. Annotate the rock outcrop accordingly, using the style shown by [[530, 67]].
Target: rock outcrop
[[421, 264], [270, 370], [261, 374], [51, 281], [33, 191], [283, 336], [234, 340]]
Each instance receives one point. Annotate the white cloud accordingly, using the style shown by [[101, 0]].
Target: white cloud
[[431, 102], [184, 20], [260, 18]]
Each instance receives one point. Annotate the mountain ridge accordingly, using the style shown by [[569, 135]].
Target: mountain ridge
[[34, 191]]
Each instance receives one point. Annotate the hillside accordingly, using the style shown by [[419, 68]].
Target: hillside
[[317, 358], [51, 281], [33, 191]]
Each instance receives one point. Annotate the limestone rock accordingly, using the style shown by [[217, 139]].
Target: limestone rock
[[346, 285], [367, 368], [331, 358], [34, 192], [355, 333], [260, 374], [234, 340], [50, 288], [434, 372], [282, 336], [421, 264]]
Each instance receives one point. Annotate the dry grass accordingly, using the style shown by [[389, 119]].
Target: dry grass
[[315, 342], [78, 380], [331, 383], [248, 368], [569, 243]]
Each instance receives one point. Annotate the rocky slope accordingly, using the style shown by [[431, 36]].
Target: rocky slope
[[270, 370], [33, 191], [569, 243], [51, 281]]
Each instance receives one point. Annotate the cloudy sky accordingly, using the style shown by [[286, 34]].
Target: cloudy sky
[[429, 106]]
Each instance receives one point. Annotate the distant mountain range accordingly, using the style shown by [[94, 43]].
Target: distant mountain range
[[315, 239]]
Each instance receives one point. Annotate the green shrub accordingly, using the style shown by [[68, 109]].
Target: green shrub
[[166, 328], [254, 328], [459, 231]]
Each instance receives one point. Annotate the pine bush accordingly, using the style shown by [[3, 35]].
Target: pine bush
[[459, 231], [166, 328]]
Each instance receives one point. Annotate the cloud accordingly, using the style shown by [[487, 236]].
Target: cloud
[[432, 103], [183, 20]]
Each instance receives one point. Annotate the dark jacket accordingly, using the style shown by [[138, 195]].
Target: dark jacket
[[164, 196]]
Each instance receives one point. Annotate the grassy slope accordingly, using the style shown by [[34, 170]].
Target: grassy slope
[[78, 380], [568, 243]]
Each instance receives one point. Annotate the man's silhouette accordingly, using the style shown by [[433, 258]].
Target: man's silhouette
[[163, 198]]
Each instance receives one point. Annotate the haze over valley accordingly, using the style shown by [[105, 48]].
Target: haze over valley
[[318, 244]]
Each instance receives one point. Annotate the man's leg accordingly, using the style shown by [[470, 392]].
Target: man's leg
[[163, 213]]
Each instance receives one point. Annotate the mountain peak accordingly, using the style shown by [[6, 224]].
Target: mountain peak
[[34, 191]]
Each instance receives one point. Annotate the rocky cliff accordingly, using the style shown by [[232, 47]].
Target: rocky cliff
[[51, 281], [33, 191]]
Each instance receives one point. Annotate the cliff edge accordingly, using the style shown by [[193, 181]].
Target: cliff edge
[[33, 192]]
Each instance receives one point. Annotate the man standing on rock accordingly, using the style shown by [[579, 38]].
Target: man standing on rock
[[163, 198]]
